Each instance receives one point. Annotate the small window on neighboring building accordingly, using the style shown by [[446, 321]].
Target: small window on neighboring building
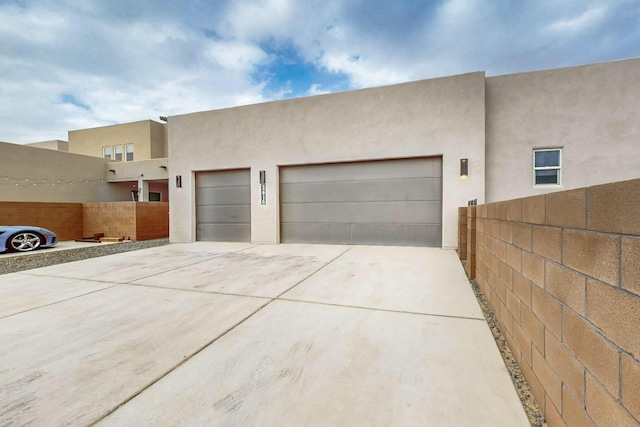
[[128, 151], [106, 152], [117, 152], [154, 197], [547, 166]]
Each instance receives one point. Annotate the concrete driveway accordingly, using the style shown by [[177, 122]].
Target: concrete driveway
[[241, 334]]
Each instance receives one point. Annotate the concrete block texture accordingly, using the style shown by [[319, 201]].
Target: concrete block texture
[[603, 408], [566, 364], [549, 379], [594, 254], [566, 285], [573, 410], [569, 264], [534, 209], [616, 314], [614, 207], [548, 310], [533, 327], [522, 236], [591, 348], [547, 242], [631, 264], [567, 208], [631, 385], [533, 268]]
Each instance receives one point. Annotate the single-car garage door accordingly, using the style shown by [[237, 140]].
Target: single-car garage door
[[388, 202], [223, 200]]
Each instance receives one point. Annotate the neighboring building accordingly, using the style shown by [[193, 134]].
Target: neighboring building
[[56, 145], [131, 145], [29, 174], [143, 140], [385, 165]]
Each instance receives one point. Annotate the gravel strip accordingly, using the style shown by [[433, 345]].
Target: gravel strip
[[44, 258], [520, 383]]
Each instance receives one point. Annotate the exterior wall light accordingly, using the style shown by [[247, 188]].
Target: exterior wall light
[[464, 168], [178, 181], [263, 188]]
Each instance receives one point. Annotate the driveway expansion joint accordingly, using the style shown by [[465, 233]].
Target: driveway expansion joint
[[60, 301], [388, 310]]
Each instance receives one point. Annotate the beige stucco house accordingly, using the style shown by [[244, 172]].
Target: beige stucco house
[[390, 165], [137, 153]]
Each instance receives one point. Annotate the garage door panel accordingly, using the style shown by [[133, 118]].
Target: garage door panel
[[224, 214], [230, 178], [393, 169], [374, 212], [223, 195], [379, 202], [328, 233], [223, 205], [225, 232], [398, 234], [363, 191]]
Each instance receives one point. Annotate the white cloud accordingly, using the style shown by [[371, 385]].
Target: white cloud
[[585, 20], [316, 89], [136, 60], [238, 56]]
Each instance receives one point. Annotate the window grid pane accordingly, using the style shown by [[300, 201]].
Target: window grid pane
[[128, 152], [548, 176], [547, 165], [549, 158]]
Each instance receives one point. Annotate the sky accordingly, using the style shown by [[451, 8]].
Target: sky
[[76, 64]]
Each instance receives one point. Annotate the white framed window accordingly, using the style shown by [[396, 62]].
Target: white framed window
[[547, 166], [128, 152], [117, 152], [106, 152]]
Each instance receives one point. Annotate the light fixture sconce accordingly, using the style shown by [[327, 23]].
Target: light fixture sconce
[[112, 170], [178, 181], [263, 188], [163, 167], [464, 168]]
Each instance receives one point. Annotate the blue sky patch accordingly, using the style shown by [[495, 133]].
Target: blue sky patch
[[70, 99], [289, 73]]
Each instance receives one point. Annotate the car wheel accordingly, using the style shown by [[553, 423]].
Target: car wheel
[[24, 242]]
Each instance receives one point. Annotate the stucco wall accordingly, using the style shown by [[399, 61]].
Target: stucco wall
[[147, 137], [56, 145], [35, 175], [590, 111], [426, 118], [562, 273], [159, 141]]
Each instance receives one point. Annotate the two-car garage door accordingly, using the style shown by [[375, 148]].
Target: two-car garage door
[[390, 202]]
